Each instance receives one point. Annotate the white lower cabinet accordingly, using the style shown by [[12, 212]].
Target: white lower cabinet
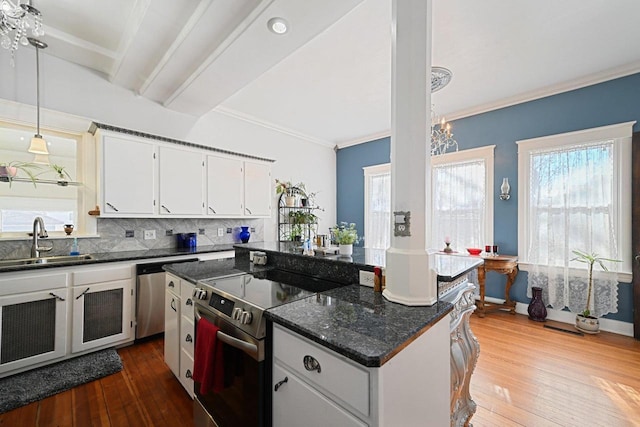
[[34, 327], [179, 330], [314, 386], [101, 307], [172, 324]]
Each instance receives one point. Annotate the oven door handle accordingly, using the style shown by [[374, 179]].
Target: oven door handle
[[244, 346]]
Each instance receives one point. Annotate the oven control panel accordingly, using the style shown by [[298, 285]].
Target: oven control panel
[[221, 304]]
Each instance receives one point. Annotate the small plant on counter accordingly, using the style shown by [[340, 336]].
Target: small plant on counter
[[345, 234]]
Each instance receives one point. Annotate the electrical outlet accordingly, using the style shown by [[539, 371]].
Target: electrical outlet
[[253, 229], [220, 232], [128, 233], [229, 230], [201, 231], [149, 234], [168, 233], [366, 278]]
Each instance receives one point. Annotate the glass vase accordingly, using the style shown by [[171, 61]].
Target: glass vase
[[244, 234], [537, 309]]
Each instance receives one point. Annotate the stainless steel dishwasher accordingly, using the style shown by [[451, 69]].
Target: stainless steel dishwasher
[[150, 297]]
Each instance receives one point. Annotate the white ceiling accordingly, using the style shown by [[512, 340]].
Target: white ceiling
[[328, 78]]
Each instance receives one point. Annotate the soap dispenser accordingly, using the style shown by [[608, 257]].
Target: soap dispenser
[[74, 247]]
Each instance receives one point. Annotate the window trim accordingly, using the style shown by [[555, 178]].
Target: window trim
[[621, 134], [485, 153]]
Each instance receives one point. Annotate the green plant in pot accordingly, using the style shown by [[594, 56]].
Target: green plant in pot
[[62, 174], [584, 320], [9, 170], [345, 235]]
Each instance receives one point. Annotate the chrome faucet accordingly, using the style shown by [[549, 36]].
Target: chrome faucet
[[35, 249]]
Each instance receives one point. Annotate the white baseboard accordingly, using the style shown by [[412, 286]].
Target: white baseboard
[[609, 325]]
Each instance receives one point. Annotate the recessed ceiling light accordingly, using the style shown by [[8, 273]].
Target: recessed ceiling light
[[278, 25]]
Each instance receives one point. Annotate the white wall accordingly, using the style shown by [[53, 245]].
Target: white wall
[[296, 160]]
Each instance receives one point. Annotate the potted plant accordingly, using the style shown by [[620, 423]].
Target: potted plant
[[9, 170], [291, 192], [585, 321], [345, 235], [62, 173]]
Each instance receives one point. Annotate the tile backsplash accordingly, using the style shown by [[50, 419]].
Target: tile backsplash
[[113, 232]]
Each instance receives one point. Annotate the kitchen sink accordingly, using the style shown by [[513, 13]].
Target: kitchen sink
[[45, 260]]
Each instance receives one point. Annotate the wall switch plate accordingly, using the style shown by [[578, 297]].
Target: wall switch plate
[[220, 232], [253, 229], [149, 234], [229, 230], [168, 232], [128, 233], [201, 231], [366, 278]]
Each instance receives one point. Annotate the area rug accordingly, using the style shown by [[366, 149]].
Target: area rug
[[24, 388]]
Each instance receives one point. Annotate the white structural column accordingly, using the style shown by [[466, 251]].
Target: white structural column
[[409, 278]]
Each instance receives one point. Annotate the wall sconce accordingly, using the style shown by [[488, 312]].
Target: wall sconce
[[504, 189]]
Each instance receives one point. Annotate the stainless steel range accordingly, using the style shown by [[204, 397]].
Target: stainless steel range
[[236, 305]]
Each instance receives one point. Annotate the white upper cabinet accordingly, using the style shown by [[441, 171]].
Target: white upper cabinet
[[144, 177], [181, 181], [225, 187], [257, 189], [128, 176]]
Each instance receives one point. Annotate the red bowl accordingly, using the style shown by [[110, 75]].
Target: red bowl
[[474, 251]]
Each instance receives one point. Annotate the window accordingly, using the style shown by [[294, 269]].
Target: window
[[21, 202], [462, 205], [575, 194]]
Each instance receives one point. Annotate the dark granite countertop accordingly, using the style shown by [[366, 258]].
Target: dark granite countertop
[[358, 323], [448, 267], [122, 256], [201, 270]]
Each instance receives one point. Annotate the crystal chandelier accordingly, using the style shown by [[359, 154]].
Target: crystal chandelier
[[441, 136], [17, 17]]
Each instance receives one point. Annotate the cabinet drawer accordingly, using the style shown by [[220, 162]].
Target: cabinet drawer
[[186, 335], [297, 404], [172, 283], [338, 376], [186, 370], [186, 296], [102, 275]]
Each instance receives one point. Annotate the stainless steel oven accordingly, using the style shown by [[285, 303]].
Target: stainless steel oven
[[236, 305], [242, 401]]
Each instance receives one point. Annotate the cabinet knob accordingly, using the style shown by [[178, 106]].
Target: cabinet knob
[[311, 363], [249, 210], [188, 338], [171, 284], [212, 210], [166, 209], [188, 374], [279, 384], [188, 301], [112, 207]]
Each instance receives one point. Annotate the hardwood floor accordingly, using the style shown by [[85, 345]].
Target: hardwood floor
[[527, 375]]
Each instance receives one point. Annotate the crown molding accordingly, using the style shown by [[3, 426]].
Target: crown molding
[[268, 125]]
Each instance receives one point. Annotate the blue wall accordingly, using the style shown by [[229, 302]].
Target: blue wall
[[607, 103]]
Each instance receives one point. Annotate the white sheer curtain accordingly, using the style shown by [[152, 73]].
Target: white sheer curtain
[[459, 194], [377, 211], [572, 201]]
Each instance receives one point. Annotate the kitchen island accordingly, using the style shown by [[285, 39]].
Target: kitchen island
[[403, 359]]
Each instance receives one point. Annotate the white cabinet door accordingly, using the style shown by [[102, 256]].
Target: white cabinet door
[[34, 328], [257, 189], [224, 186], [172, 331], [297, 404], [129, 177], [181, 181], [101, 314]]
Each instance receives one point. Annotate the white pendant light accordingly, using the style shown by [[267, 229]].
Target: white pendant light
[[38, 144]]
